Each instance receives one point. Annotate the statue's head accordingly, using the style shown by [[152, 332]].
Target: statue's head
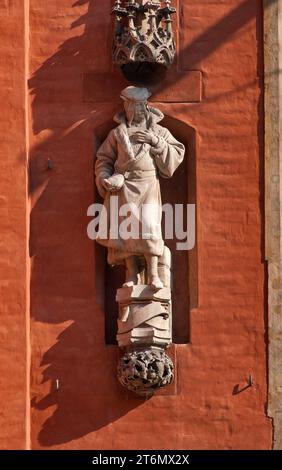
[[135, 103]]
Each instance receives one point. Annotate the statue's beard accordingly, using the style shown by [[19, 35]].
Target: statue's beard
[[139, 119]]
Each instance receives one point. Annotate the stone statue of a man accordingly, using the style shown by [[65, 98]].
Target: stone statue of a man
[[129, 163]]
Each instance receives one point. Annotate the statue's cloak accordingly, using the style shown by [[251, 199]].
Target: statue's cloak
[[141, 165]]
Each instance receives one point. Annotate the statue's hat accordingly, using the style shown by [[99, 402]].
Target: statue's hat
[[136, 94]]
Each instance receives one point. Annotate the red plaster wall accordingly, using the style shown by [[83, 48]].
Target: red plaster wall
[[13, 229], [223, 40]]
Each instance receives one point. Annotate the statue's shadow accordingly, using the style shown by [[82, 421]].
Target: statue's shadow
[[79, 392], [84, 388]]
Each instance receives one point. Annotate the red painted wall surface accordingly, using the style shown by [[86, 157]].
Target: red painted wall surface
[[221, 41], [14, 422]]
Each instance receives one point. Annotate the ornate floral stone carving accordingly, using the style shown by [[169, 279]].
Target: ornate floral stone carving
[[143, 33], [129, 164], [143, 372]]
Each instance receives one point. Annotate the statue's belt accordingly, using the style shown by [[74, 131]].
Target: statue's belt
[[139, 174]]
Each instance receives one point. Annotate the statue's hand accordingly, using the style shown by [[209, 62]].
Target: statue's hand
[[146, 137], [114, 183]]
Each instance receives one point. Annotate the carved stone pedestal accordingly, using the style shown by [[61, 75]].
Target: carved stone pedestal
[[144, 317], [144, 329], [144, 371]]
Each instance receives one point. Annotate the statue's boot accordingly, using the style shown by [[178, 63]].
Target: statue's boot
[[156, 283], [131, 281], [153, 275]]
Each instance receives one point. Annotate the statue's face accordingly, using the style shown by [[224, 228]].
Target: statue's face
[[135, 112]]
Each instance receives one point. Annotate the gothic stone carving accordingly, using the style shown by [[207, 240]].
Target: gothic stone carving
[[128, 167], [143, 32], [143, 372]]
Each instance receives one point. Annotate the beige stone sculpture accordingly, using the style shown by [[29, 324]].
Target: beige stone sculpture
[[128, 167]]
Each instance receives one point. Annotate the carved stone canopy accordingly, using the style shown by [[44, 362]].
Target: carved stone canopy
[[144, 45]]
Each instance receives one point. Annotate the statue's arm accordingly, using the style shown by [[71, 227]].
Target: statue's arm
[[105, 161], [168, 153]]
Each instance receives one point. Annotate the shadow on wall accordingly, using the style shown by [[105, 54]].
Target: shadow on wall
[[63, 277], [62, 257]]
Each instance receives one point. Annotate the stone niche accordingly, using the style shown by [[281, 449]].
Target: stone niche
[[184, 284]]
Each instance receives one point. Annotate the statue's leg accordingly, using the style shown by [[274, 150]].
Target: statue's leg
[[131, 271], [152, 270], [164, 267]]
